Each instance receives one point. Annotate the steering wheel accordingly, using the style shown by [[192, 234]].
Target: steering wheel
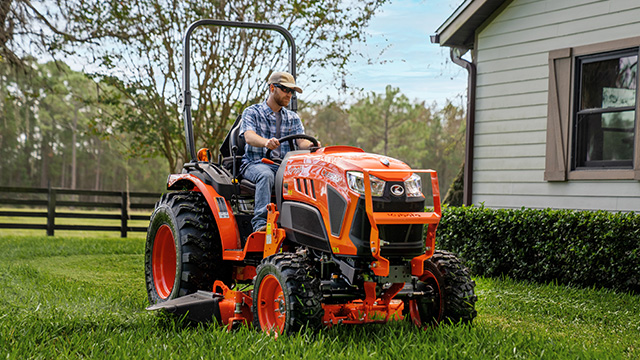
[[290, 139]]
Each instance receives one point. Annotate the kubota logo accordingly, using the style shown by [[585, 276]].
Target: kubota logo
[[397, 190]]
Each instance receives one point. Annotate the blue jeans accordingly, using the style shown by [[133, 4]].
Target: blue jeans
[[263, 175]]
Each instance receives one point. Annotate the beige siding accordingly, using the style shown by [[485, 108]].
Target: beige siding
[[583, 188], [520, 112], [499, 152], [513, 139], [509, 126], [512, 91], [513, 100], [581, 203], [514, 88]]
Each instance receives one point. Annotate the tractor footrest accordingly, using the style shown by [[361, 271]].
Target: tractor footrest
[[202, 306]]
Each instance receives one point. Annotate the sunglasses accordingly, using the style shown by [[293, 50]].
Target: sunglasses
[[284, 88]]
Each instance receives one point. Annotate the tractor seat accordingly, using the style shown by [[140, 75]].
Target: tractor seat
[[235, 140]]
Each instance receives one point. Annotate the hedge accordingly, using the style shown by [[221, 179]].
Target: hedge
[[584, 248]]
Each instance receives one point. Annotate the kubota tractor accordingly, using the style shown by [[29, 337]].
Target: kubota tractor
[[345, 241]]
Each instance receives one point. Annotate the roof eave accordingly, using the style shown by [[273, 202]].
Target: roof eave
[[460, 28]]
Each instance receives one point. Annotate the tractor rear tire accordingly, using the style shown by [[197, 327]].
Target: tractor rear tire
[[450, 293], [183, 252], [286, 295]]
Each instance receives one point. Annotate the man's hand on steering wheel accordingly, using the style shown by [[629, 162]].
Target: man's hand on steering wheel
[[306, 144], [290, 138], [272, 144]]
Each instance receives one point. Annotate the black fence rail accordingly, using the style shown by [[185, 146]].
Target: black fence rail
[[52, 199]]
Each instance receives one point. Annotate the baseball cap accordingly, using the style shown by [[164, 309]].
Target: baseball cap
[[285, 79]]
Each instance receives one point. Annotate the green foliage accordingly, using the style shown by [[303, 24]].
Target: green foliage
[[584, 248], [25, 27], [141, 51], [384, 123], [85, 297], [131, 102], [55, 117], [51, 117], [455, 193], [420, 135], [390, 124], [327, 121]]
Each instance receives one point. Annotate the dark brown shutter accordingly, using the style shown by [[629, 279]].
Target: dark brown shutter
[[558, 113]]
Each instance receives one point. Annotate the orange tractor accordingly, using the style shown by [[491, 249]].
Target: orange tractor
[[347, 240]]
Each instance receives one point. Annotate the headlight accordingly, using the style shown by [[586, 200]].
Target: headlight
[[413, 186], [356, 183]]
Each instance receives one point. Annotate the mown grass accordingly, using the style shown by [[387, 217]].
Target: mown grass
[[72, 297]]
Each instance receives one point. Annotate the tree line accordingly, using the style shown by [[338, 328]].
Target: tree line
[[420, 134], [57, 128], [53, 133], [120, 125]]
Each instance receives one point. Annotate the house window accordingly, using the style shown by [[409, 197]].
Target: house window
[[605, 115], [592, 112]]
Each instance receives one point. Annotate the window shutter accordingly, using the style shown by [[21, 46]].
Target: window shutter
[[558, 113]]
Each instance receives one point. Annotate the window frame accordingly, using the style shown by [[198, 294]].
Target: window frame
[[562, 113], [580, 61]]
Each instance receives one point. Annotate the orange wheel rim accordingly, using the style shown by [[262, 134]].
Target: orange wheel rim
[[163, 261], [430, 279], [415, 314], [272, 311]]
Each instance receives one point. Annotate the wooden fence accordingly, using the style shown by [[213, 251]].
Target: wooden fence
[[80, 200]]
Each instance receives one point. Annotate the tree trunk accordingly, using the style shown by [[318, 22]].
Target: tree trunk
[[97, 164], [28, 136], [98, 153], [456, 190], [46, 155], [63, 174], [386, 132], [74, 134]]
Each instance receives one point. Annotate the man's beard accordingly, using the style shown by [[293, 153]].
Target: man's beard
[[282, 100]]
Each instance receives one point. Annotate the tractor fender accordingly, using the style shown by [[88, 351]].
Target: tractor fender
[[220, 208]]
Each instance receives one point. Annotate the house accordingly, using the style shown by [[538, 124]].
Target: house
[[553, 107]]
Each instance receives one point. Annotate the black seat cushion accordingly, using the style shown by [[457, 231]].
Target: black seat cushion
[[235, 140]]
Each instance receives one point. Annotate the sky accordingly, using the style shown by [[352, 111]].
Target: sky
[[421, 70]]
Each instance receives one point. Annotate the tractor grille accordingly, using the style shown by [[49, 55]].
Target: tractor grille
[[405, 240]]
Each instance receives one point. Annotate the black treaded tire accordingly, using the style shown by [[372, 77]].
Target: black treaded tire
[[183, 252], [286, 281], [453, 292]]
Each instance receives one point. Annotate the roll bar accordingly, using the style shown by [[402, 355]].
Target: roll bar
[[185, 96]]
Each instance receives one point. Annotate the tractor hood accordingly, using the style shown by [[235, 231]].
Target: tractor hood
[[341, 159], [332, 163]]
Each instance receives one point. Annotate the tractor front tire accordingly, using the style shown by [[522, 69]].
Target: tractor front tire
[[286, 295], [450, 293], [183, 252]]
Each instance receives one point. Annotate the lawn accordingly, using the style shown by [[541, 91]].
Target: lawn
[[84, 297]]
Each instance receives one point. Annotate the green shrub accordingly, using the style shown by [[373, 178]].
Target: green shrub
[[584, 248]]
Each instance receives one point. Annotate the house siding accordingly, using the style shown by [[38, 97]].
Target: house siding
[[512, 53]]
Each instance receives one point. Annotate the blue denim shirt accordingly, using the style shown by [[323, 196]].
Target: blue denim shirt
[[261, 119]]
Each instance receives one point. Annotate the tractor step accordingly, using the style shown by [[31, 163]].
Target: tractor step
[[202, 306]]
